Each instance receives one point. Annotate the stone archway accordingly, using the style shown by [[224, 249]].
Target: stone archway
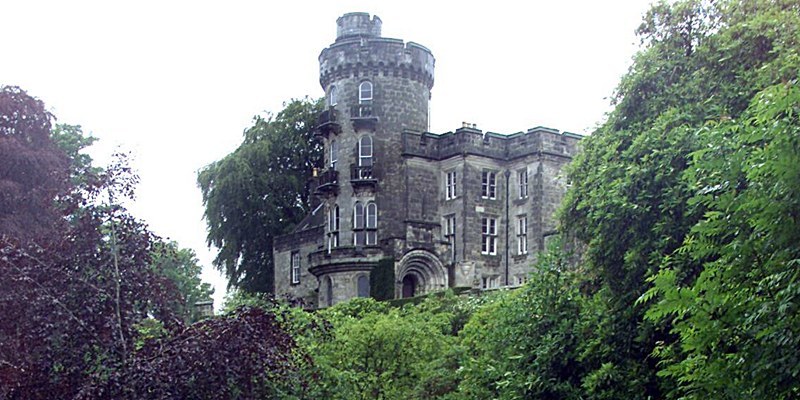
[[420, 272]]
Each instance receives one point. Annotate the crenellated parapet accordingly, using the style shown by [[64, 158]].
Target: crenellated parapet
[[472, 141]]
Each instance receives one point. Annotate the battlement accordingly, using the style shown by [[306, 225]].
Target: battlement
[[359, 50], [469, 140], [357, 24]]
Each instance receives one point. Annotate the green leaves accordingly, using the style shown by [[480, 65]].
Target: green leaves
[[260, 191]]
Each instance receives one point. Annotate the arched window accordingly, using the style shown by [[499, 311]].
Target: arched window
[[365, 224], [362, 286], [365, 151], [332, 96], [333, 227], [334, 154], [372, 224], [365, 92]]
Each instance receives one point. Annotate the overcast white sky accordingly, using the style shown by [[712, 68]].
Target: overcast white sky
[[177, 82]]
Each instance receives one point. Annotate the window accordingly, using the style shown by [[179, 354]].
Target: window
[[295, 267], [334, 154], [364, 158], [450, 234], [365, 152], [489, 282], [450, 186], [333, 227], [372, 224], [365, 92], [489, 231], [488, 185], [522, 178], [362, 286], [522, 235], [522, 279], [365, 224], [328, 282], [332, 97]]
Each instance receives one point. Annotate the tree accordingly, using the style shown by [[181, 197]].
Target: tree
[[33, 171], [243, 355], [524, 344], [378, 352], [72, 141], [181, 267], [630, 200], [72, 302], [738, 322], [260, 191]]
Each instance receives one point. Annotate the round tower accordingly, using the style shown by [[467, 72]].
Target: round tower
[[375, 88]]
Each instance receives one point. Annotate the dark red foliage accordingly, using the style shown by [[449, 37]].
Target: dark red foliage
[[245, 355], [33, 171], [62, 320]]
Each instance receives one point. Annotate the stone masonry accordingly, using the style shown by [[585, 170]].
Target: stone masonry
[[461, 209]]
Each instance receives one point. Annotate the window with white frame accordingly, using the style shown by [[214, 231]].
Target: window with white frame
[[332, 97], [489, 236], [365, 92], [365, 151], [372, 224], [333, 227], [522, 279], [489, 282], [489, 185], [450, 186], [449, 233], [334, 154], [522, 178], [522, 234], [365, 224], [295, 267]]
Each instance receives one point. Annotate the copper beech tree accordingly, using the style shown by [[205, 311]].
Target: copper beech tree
[[78, 282]]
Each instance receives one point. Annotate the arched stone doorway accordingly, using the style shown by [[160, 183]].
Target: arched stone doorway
[[409, 286], [420, 272]]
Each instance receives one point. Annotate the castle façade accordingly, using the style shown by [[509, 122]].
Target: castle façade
[[459, 209]]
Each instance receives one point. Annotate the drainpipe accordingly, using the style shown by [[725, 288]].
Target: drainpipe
[[508, 221]]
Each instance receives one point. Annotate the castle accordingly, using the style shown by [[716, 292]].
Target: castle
[[461, 209]]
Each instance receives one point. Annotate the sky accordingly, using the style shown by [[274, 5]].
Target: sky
[[177, 82]]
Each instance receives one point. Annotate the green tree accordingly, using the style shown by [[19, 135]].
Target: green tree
[[72, 141], [630, 202], [377, 352], [181, 267], [524, 344], [739, 321], [260, 191]]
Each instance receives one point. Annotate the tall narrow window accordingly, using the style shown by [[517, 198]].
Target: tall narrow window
[[365, 151], [334, 154], [522, 178], [522, 235], [359, 238], [365, 158], [332, 97], [489, 236], [365, 92], [295, 268], [450, 234], [488, 185], [333, 228], [328, 291], [450, 186], [362, 286], [372, 224]]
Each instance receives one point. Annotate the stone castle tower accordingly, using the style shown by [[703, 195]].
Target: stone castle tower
[[438, 209]]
